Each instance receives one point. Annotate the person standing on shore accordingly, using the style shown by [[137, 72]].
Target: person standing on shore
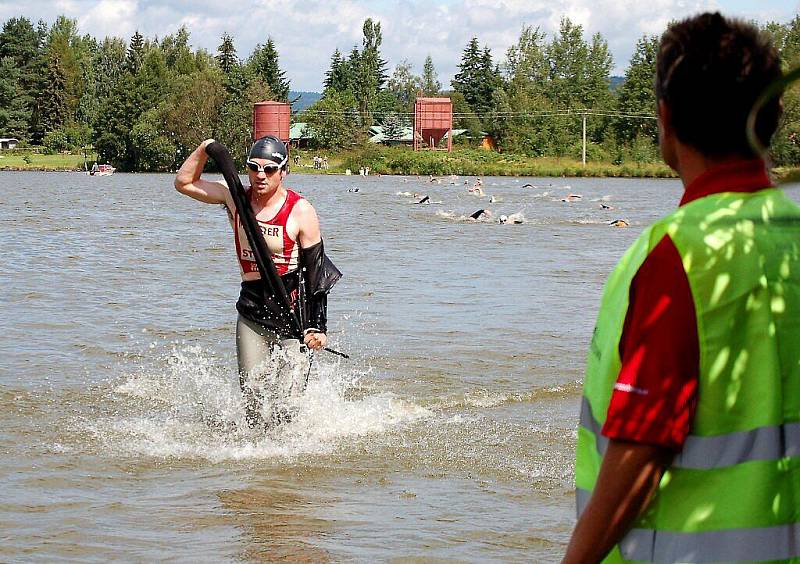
[[688, 444], [273, 364]]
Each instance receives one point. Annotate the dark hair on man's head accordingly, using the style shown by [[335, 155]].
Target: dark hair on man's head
[[710, 72]]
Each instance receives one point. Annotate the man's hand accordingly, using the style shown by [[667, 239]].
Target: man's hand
[[315, 340]]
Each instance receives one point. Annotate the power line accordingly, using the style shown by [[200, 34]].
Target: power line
[[502, 115]]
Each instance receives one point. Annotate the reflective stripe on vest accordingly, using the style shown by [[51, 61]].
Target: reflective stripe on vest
[[733, 493], [705, 453], [729, 545]]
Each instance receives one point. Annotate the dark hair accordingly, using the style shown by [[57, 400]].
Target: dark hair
[[710, 71]]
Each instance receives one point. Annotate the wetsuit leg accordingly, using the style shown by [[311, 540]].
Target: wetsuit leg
[[272, 372]]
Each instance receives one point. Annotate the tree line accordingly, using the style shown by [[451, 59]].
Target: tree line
[[144, 104]]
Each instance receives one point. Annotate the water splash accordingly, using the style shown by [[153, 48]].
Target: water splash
[[190, 406]]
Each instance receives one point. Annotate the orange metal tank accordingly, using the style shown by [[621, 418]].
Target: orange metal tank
[[271, 118], [433, 118]]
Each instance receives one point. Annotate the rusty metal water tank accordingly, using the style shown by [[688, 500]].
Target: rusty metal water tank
[[271, 118], [433, 118]]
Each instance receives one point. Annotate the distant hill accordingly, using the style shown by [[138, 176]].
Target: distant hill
[[305, 99], [615, 82]]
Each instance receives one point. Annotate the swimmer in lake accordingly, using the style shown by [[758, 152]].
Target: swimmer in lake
[[515, 218]]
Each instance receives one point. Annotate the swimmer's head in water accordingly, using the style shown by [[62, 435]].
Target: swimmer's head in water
[[503, 218], [272, 149]]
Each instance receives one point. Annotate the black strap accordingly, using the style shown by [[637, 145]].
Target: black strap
[[274, 289]]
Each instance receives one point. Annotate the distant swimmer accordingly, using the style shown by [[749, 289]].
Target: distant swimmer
[[528, 186], [477, 215], [353, 189], [605, 206], [515, 218], [492, 199], [619, 223], [425, 200], [572, 198]]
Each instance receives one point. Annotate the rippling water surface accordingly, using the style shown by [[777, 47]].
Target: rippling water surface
[[448, 435]]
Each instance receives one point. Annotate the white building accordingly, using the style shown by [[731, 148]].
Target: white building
[[8, 142]]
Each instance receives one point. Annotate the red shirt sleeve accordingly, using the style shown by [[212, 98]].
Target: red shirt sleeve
[[655, 395]]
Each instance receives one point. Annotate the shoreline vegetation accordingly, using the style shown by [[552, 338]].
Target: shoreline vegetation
[[143, 105], [404, 162]]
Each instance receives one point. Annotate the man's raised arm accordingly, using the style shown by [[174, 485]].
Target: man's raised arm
[[188, 180]]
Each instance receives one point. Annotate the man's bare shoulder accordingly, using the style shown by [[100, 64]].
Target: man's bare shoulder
[[304, 208]]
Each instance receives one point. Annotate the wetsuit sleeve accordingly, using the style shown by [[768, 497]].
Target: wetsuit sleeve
[[655, 395], [320, 276]]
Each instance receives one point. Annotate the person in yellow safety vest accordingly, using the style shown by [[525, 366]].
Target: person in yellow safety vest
[[688, 446]]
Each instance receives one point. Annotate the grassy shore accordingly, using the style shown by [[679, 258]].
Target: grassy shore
[[35, 161], [403, 161], [470, 162]]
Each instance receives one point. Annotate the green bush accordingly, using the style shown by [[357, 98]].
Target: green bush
[[69, 137]]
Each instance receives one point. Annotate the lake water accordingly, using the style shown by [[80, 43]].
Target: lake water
[[449, 435]]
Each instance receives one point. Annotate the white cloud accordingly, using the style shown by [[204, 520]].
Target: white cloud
[[110, 18], [306, 32]]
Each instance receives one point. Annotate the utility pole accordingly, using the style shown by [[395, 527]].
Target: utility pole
[[584, 139]]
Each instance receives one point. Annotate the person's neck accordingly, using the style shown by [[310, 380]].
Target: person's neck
[[691, 163], [269, 199]]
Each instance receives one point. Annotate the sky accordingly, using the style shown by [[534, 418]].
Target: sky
[[306, 32]]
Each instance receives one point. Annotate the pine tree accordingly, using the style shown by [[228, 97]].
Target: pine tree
[[467, 81], [392, 127], [133, 60], [19, 40], [226, 54], [490, 81], [429, 83], [14, 107], [52, 105], [64, 44], [22, 47], [338, 76], [264, 64], [477, 78]]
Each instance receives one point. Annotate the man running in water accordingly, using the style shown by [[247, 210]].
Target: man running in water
[[273, 366]]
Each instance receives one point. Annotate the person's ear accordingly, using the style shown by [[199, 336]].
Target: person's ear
[[664, 115], [667, 141]]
